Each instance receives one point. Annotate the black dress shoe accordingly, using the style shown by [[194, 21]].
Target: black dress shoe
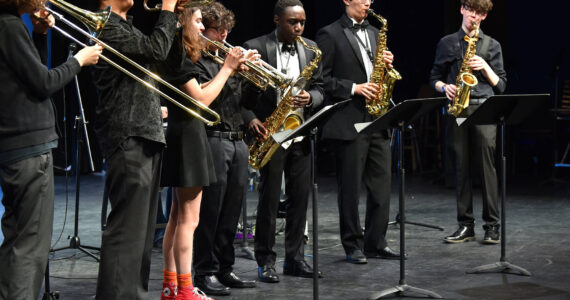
[[210, 285], [299, 269], [464, 233], [230, 279], [356, 257], [267, 274], [386, 253], [492, 235]]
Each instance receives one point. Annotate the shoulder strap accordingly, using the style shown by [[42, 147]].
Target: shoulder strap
[[486, 41]]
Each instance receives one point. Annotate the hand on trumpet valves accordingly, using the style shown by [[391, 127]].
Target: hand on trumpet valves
[[89, 55], [367, 90], [42, 21], [235, 59]]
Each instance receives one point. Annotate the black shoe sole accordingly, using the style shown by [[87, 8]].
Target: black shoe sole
[[268, 280]]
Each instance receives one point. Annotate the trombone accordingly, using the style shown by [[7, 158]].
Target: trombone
[[189, 3], [96, 22], [261, 76]]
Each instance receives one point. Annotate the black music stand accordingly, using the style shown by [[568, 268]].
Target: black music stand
[[397, 117], [502, 110], [81, 136], [398, 219], [309, 128]]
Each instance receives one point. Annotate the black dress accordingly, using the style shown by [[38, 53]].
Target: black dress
[[187, 158]]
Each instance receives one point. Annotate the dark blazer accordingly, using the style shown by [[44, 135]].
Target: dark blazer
[[343, 66], [264, 103]]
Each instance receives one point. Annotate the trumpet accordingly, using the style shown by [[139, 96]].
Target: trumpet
[[95, 22], [261, 75], [189, 3]]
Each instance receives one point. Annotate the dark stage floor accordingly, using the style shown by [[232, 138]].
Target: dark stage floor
[[537, 240]]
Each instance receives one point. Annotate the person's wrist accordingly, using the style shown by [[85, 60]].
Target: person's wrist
[[443, 88]]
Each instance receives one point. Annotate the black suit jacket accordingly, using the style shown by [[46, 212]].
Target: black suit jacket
[[262, 104], [343, 66]]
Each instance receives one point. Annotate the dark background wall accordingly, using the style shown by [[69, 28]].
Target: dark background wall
[[534, 36]]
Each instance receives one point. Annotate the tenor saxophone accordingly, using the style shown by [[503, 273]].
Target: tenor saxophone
[[382, 75], [284, 116], [465, 80]]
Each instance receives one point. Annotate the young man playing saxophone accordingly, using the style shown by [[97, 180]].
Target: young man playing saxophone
[[348, 47], [280, 50], [487, 66]]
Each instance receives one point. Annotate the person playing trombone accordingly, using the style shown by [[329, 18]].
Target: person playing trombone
[[27, 135], [129, 129]]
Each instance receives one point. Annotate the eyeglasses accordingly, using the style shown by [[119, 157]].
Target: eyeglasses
[[364, 1]]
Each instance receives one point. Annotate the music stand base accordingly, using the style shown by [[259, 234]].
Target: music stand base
[[500, 267], [398, 220], [401, 290], [75, 243]]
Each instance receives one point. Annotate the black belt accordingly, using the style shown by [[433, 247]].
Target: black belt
[[230, 135]]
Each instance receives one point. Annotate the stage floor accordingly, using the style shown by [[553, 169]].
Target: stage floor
[[537, 240]]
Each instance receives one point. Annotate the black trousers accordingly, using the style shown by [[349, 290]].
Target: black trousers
[[27, 224], [474, 150], [133, 177], [296, 163], [221, 208], [364, 160]]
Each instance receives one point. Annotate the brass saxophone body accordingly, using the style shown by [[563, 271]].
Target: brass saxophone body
[[284, 116], [382, 75], [465, 80]]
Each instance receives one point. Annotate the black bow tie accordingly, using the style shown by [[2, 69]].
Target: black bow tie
[[288, 47], [361, 26]]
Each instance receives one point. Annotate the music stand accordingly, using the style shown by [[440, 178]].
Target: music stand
[[397, 117], [81, 135], [397, 219], [502, 110], [308, 128]]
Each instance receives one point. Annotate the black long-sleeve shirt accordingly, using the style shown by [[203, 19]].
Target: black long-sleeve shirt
[[27, 116], [449, 56], [126, 107], [227, 104]]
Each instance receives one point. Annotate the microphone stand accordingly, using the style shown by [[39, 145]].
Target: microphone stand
[[81, 135]]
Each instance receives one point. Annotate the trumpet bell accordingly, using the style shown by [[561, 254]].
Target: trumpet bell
[[95, 21]]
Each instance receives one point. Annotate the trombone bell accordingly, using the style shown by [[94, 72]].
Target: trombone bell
[[95, 21]]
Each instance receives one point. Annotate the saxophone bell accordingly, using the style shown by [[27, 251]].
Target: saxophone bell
[[463, 92]]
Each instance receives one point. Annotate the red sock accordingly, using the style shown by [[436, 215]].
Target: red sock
[[184, 280], [169, 286]]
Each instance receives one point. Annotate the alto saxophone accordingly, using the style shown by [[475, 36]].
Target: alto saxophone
[[382, 75], [284, 116], [466, 80]]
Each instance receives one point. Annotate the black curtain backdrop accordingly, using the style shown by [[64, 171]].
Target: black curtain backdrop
[[533, 36]]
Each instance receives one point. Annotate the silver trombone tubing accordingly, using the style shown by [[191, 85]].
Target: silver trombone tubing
[[195, 114]]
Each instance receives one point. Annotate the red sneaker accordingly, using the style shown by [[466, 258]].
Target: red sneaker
[[169, 291], [191, 293]]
